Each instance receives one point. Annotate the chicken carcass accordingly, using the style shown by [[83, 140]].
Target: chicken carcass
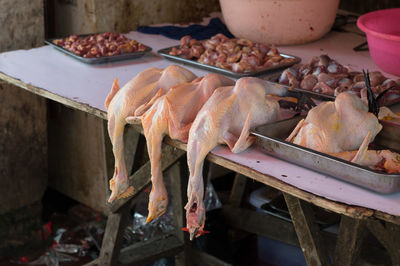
[[226, 118], [134, 99], [173, 114], [338, 126]]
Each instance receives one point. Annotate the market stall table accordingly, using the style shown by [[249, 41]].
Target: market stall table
[[51, 74]]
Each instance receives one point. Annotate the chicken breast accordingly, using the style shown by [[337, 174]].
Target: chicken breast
[[332, 127]]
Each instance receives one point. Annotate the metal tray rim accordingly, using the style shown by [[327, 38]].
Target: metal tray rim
[[98, 60], [326, 156], [269, 138], [164, 52], [315, 94]]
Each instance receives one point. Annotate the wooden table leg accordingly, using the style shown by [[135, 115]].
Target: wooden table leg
[[349, 241], [183, 258], [388, 234], [307, 231], [238, 188], [112, 240], [168, 243], [142, 177]]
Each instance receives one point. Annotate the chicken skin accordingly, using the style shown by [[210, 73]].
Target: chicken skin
[[173, 114], [338, 126], [134, 99], [226, 118]]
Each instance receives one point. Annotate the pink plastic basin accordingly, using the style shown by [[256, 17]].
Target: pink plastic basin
[[382, 28]]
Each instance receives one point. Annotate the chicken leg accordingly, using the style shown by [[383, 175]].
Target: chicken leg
[[226, 118], [173, 114], [124, 102]]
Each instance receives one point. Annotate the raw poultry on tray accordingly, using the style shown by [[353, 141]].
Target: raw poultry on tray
[[211, 110], [237, 55], [344, 128], [324, 75], [204, 111]]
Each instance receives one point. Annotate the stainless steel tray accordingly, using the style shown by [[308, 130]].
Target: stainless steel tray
[[271, 139], [274, 77], [165, 53], [98, 60]]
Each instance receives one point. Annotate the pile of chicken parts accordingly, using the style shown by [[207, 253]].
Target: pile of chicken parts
[[237, 55], [324, 75], [211, 110]]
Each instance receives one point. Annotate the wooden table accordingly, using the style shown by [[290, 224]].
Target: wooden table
[[46, 72]]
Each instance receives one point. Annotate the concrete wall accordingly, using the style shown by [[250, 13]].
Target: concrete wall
[[364, 6], [88, 16], [21, 24], [23, 136]]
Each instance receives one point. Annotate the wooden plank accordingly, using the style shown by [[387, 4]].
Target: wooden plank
[[150, 250], [142, 177], [131, 141], [112, 239], [261, 224], [176, 199], [183, 258], [349, 241], [238, 188], [307, 231], [388, 235], [202, 258], [108, 160]]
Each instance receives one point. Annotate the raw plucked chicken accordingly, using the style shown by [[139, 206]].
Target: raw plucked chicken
[[173, 114], [345, 128], [226, 118], [332, 127], [134, 99]]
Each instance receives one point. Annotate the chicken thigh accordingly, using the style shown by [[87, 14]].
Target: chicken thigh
[[333, 127], [173, 114], [226, 118], [133, 100]]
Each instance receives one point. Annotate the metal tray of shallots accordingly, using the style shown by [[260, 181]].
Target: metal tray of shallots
[[271, 139], [165, 53], [101, 59], [274, 77]]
